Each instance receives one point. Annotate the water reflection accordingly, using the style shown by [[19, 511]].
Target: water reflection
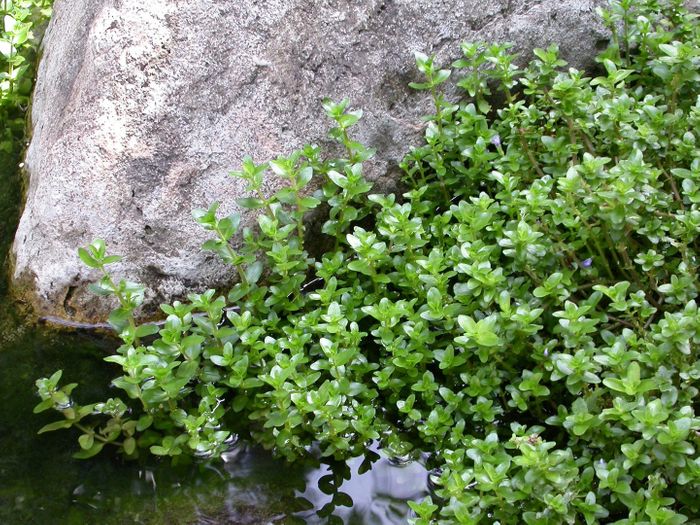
[[371, 489]]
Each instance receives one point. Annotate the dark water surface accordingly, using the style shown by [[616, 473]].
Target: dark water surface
[[40, 483]]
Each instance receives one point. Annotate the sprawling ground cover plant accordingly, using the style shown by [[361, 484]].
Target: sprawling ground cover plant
[[18, 47], [526, 313]]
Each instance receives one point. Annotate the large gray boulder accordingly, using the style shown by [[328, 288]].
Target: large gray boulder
[[142, 108]]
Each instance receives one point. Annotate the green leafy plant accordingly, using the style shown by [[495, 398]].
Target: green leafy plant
[[526, 313], [18, 48]]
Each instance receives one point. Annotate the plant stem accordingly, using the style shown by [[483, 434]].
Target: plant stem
[[124, 304], [528, 152], [95, 435], [676, 194]]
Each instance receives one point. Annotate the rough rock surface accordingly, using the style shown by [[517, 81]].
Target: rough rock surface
[[141, 109]]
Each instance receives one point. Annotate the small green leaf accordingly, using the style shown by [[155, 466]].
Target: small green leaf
[[305, 176], [360, 266], [250, 203], [92, 451], [441, 76], [338, 179], [147, 329], [88, 259], [129, 446], [111, 259], [119, 319], [86, 441], [309, 203], [253, 272], [56, 425], [144, 422]]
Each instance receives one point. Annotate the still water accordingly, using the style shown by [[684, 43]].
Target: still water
[[40, 483]]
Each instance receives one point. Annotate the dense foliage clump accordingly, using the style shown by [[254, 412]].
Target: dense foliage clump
[[525, 313], [18, 46]]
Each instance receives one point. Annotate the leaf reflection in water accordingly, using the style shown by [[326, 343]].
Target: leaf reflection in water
[[370, 489]]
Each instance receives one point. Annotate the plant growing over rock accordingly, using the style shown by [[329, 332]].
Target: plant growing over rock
[[525, 313]]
